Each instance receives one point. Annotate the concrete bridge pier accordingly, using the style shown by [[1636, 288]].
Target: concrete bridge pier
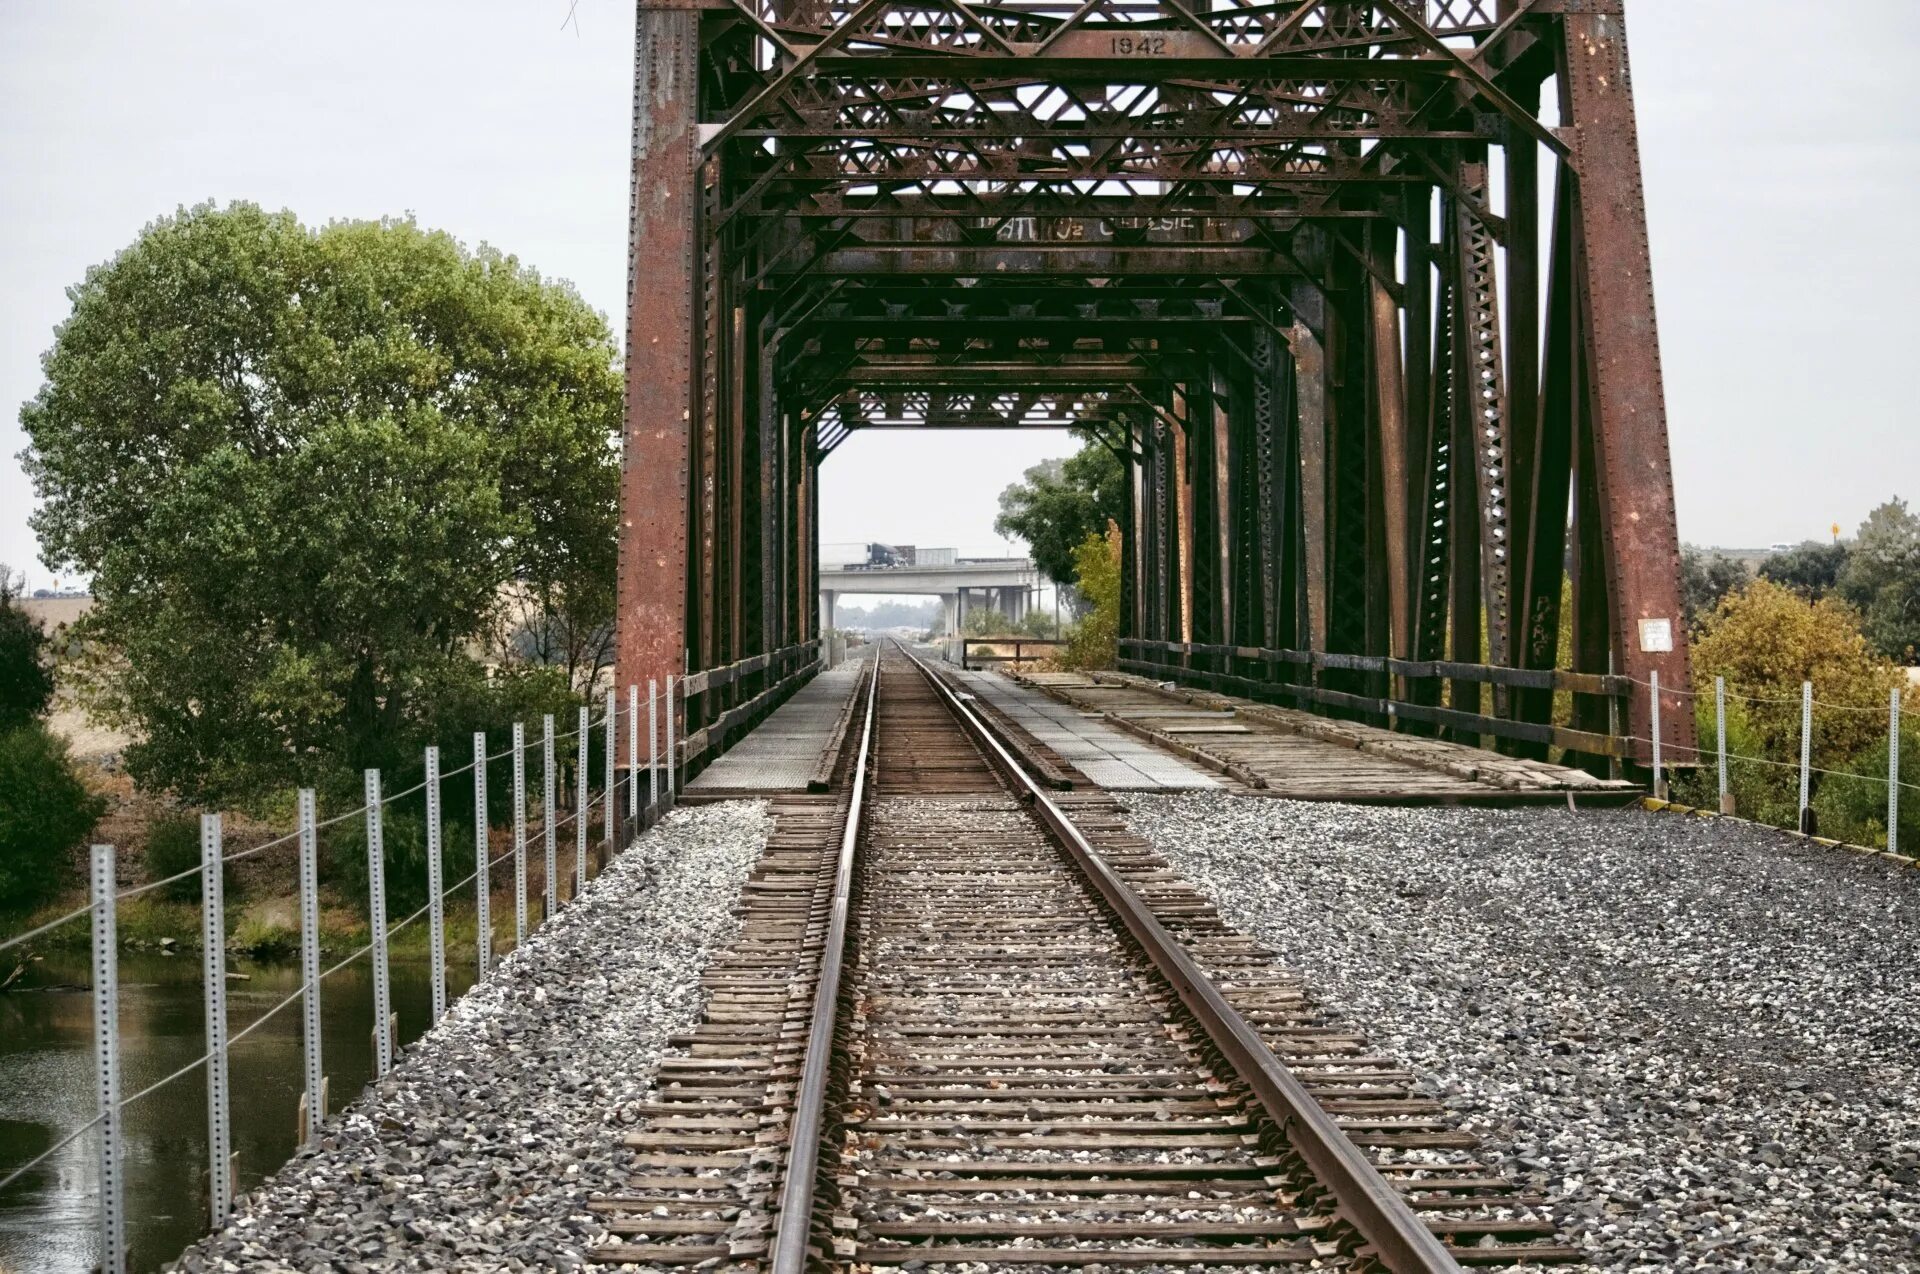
[[827, 599]]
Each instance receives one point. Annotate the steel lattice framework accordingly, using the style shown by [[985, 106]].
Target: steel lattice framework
[[1375, 339]]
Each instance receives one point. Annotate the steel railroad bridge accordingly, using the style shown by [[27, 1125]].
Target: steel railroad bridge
[[1358, 290]]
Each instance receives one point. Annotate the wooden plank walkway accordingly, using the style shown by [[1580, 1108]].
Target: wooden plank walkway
[[1285, 752]]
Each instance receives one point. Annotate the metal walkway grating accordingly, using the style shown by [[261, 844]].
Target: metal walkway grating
[[785, 750], [1105, 755]]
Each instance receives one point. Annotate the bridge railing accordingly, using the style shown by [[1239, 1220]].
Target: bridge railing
[[735, 696], [1260, 672], [1020, 655]]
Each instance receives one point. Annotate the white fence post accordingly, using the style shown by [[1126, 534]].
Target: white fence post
[[672, 779], [653, 749], [377, 912], [482, 897], [546, 818], [1720, 733], [582, 755], [633, 748], [609, 805], [310, 965], [1806, 756], [436, 905], [213, 942], [1893, 772], [106, 1054], [519, 834], [1659, 780]]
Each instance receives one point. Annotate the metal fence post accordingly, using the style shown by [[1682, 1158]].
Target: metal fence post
[[106, 1055], [1659, 781], [1616, 766], [436, 904], [377, 913], [482, 896], [580, 767], [546, 818], [519, 834], [672, 779], [1720, 733], [1806, 757], [1893, 771], [610, 790], [653, 750], [633, 748], [310, 964], [213, 943]]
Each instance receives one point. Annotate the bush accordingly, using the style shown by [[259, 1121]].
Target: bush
[[404, 836], [173, 846], [45, 812], [1855, 809], [1766, 640]]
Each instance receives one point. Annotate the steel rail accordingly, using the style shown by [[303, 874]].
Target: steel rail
[[795, 1225], [1368, 1202]]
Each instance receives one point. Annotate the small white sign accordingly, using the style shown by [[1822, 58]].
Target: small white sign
[[1656, 636]]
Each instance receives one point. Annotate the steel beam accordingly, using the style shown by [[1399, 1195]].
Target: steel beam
[[662, 323]]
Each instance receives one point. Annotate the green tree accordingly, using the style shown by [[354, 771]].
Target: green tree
[[26, 686], [1766, 640], [1706, 577], [307, 470], [1093, 642], [1882, 578], [1059, 503], [45, 811], [1809, 568]]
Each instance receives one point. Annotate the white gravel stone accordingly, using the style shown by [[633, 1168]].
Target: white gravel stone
[[1701, 1037], [482, 1148]]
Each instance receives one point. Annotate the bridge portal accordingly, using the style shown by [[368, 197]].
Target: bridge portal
[[1358, 291]]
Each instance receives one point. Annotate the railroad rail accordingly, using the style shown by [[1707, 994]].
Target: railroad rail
[[966, 1022]]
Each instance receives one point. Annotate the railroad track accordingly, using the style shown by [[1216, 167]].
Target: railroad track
[[969, 1024]]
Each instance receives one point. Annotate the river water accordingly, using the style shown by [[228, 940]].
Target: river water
[[49, 1218]]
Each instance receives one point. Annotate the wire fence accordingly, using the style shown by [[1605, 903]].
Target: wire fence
[[1721, 757], [654, 756]]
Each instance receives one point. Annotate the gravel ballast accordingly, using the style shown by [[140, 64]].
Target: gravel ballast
[[1701, 1038], [482, 1147]]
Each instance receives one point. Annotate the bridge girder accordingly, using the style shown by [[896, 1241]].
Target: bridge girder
[[1288, 257]]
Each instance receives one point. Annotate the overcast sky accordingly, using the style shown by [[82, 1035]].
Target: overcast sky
[[1779, 164]]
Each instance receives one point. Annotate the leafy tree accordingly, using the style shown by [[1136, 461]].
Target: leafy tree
[[1882, 578], [1766, 640], [1093, 642], [26, 686], [1059, 503], [303, 468], [45, 811], [1706, 577], [1810, 568]]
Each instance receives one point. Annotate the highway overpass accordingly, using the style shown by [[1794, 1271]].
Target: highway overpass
[[1006, 584]]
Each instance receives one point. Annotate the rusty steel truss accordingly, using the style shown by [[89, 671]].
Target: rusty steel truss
[[1358, 289]]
